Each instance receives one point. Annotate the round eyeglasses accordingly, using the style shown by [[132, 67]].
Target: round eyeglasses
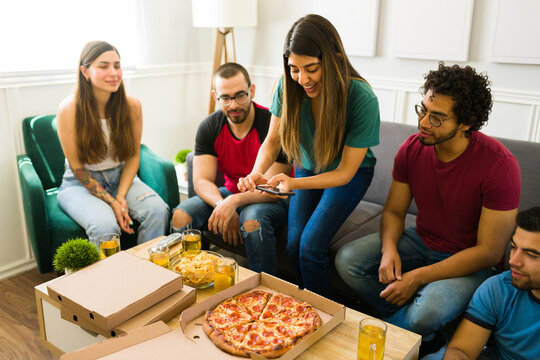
[[241, 98], [433, 119]]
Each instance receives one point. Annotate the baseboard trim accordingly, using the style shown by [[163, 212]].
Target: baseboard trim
[[16, 268]]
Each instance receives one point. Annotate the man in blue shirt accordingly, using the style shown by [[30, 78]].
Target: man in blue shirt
[[506, 306]]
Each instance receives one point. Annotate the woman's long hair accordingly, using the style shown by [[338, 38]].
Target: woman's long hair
[[313, 35], [91, 144]]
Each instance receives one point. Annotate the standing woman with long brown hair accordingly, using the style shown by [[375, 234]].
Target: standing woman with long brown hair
[[325, 116], [100, 132]]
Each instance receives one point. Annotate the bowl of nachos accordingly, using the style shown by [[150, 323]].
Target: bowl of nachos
[[196, 267]]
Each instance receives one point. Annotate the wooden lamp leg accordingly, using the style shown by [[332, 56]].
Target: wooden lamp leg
[[222, 48]]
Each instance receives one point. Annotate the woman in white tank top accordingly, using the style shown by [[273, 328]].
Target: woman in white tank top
[[100, 132]]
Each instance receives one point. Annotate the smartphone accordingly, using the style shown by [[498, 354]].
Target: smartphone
[[274, 190]]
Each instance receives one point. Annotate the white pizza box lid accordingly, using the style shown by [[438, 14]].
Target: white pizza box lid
[[114, 289]]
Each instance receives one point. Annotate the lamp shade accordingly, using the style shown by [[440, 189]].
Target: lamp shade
[[224, 13]]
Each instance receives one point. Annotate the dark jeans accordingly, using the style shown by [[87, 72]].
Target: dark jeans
[[315, 216]]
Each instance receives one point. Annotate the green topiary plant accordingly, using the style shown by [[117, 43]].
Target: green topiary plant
[[180, 158], [75, 254]]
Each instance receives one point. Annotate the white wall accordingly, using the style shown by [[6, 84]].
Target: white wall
[[173, 83]]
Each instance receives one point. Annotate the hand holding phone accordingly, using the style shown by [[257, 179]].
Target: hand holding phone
[[274, 190]]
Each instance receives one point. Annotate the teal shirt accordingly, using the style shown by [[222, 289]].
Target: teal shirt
[[361, 130]]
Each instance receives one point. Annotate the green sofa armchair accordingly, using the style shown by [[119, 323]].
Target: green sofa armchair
[[40, 175]]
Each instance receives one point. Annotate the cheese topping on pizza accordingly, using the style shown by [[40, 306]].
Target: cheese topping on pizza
[[260, 322]]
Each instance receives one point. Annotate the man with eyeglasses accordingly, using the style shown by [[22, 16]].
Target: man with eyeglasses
[[466, 186], [229, 140]]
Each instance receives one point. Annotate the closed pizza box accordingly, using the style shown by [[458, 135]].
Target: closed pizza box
[[164, 310], [111, 291]]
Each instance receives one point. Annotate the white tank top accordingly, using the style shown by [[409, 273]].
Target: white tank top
[[109, 162]]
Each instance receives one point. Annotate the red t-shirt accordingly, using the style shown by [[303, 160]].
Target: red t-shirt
[[236, 157], [450, 196]]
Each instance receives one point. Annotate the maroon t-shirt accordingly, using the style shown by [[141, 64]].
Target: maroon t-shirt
[[450, 195], [236, 157]]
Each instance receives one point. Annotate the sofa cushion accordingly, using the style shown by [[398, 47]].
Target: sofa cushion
[[362, 214], [526, 153], [392, 135]]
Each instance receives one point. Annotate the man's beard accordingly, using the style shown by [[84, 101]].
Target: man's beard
[[525, 285], [437, 140], [239, 118]]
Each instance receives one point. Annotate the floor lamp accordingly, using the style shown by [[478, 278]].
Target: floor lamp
[[224, 16]]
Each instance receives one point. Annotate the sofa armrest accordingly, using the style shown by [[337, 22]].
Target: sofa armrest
[[160, 175], [35, 212]]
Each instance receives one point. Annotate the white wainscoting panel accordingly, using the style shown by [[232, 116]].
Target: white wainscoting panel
[[516, 32], [356, 22], [433, 29]]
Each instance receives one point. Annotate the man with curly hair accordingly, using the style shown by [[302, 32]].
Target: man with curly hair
[[466, 186]]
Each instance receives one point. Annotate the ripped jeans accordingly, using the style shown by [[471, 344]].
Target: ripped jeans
[[261, 243], [96, 217]]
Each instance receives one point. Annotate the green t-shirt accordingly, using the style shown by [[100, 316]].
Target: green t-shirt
[[361, 130]]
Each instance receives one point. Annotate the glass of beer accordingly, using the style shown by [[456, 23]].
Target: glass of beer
[[225, 273], [159, 255], [191, 240], [371, 339], [109, 244]]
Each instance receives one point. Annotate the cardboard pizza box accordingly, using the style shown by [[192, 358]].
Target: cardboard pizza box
[[190, 341], [125, 341], [114, 290], [331, 313], [164, 311]]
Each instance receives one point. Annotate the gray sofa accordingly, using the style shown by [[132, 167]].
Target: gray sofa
[[365, 219]]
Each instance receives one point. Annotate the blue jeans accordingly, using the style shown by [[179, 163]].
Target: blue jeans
[[315, 216], [435, 304], [96, 217], [261, 243]]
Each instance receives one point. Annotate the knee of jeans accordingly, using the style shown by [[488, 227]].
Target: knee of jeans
[[180, 219], [94, 231], [429, 316], [251, 225]]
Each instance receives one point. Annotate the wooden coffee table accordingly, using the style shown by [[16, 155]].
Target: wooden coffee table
[[341, 343]]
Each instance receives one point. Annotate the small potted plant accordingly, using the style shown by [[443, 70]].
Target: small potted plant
[[75, 254], [181, 170]]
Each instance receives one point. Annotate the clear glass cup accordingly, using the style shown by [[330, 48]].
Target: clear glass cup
[[191, 240], [159, 255], [371, 339], [109, 244], [225, 273]]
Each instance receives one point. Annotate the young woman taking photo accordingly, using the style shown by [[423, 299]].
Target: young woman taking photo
[[100, 132], [325, 116]]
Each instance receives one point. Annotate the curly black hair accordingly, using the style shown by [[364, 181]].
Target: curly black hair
[[470, 91]]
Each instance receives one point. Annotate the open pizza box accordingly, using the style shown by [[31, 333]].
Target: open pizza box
[[331, 313], [190, 341], [111, 291], [164, 310]]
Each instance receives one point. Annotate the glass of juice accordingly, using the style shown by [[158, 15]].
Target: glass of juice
[[225, 273], [191, 240], [159, 255], [371, 339], [109, 244]]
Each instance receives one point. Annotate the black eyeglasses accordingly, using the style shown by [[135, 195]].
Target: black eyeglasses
[[241, 98], [433, 119]]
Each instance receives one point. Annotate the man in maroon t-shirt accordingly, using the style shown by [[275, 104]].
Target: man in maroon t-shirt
[[229, 140], [466, 186]]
